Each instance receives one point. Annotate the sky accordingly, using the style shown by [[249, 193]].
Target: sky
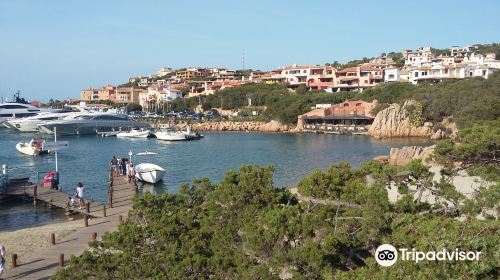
[[53, 49]]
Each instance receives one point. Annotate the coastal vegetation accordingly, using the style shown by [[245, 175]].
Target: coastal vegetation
[[467, 101], [245, 228], [280, 103]]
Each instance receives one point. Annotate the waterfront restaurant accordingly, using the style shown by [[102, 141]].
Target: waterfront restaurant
[[348, 117]]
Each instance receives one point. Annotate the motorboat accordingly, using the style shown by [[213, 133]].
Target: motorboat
[[33, 148], [148, 172], [90, 123], [192, 135], [171, 135], [135, 133]]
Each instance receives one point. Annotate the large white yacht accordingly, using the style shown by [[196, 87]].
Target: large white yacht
[[17, 110], [90, 123], [30, 124]]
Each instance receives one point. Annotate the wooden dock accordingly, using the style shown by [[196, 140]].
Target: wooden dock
[[51, 258], [55, 198]]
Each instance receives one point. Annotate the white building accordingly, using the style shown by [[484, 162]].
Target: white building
[[162, 72], [295, 74], [391, 74], [167, 95], [418, 58]]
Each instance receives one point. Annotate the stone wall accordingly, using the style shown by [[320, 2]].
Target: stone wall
[[272, 126]]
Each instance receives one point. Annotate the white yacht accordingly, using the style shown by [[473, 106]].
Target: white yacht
[[90, 123], [30, 124], [18, 110], [135, 133], [170, 135]]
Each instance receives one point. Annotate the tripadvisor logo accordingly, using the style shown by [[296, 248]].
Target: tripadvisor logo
[[387, 255]]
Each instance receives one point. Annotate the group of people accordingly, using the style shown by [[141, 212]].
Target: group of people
[[121, 166]]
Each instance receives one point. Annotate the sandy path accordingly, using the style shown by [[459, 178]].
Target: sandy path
[[28, 242]]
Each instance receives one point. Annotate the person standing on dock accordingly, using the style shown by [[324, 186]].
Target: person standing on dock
[[2, 259], [124, 166], [79, 191], [131, 172], [120, 167], [114, 164]]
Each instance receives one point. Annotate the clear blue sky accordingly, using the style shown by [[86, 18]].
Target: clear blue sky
[[55, 48]]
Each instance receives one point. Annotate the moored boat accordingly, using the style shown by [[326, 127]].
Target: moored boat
[[135, 133], [170, 135], [149, 172], [90, 123], [192, 135], [33, 148]]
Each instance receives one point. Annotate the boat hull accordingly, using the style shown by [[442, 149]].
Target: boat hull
[[25, 126], [171, 136], [149, 173], [26, 149], [82, 128], [138, 134]]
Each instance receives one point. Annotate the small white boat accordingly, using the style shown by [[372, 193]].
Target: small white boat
[[149, 172], [170, 135], [190, 135], [33, 148], [135, 133]]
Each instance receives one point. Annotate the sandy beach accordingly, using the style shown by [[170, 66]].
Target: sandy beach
[[28, 242]]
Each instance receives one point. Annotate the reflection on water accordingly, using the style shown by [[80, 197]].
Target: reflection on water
[[158, 188]]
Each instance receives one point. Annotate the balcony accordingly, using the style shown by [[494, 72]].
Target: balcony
[[376, 77], [321, 85]]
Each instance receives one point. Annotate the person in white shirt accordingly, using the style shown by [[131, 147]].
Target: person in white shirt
[[79, 192], [131, 172]]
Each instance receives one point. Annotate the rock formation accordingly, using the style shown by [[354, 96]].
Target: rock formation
[[439, 134], [394, 121], [401, 156]]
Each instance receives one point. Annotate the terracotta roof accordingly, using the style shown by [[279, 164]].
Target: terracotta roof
[[295, 67], [348, 69], [364, 68]]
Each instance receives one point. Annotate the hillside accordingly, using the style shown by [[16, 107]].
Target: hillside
[[469, 100]]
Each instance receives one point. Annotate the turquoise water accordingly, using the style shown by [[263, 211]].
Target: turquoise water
[[293, 156]]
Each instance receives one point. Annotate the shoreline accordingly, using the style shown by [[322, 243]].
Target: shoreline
[[28, 242]]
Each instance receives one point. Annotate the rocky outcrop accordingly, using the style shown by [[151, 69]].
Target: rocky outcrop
[[383, 159], [272, 126], [394, 121], [439, 134], [401, 156]]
